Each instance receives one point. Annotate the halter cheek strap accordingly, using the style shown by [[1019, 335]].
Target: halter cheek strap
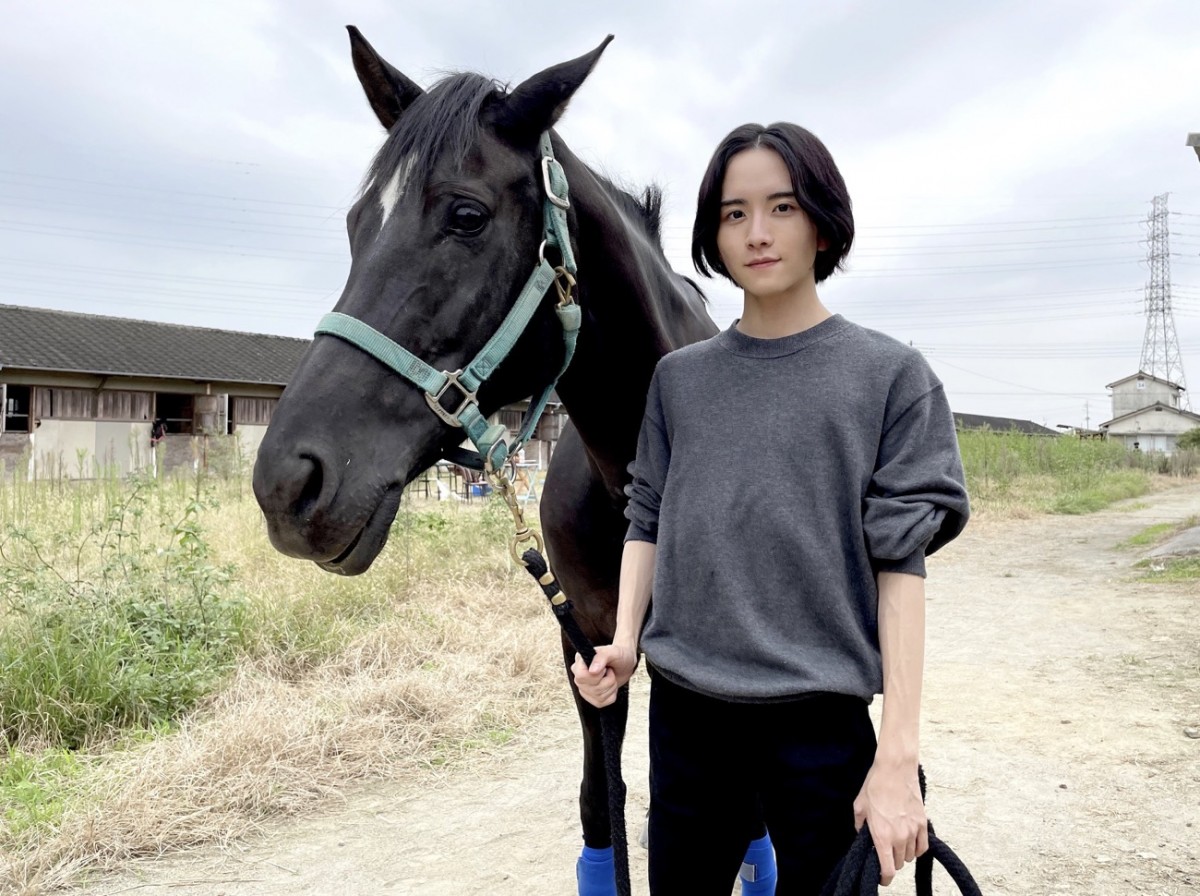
[[462, 385]]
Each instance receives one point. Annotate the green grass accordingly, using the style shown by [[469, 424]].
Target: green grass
[[1088, 496], [1178, 569], [1017, 474], [1158, 533], [1148, 536], [36, 790]]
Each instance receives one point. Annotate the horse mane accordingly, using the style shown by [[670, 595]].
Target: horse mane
[[646, 208], [448, 120]]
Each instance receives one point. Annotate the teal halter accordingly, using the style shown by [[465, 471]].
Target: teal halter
[[490, 442]]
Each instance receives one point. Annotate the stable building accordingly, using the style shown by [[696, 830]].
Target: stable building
[[82, 393], [85, 395]]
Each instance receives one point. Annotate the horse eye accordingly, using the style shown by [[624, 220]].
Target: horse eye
[[467, 218]]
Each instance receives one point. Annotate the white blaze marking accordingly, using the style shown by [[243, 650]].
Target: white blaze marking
[[395, 188]]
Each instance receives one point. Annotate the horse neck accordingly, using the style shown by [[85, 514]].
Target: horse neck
[[635, 310]]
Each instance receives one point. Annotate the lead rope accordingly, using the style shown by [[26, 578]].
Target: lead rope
[[858, 873], [610, 729], [610, 732]]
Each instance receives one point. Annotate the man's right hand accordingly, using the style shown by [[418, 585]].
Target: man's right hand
[[609, 672]]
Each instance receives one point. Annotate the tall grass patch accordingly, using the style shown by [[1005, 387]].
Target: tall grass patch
[[1017, 475], [113, 614]]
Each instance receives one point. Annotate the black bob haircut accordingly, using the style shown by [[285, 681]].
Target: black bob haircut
[[816, 181]]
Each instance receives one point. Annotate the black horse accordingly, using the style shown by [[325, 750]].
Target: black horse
[[446, 229]]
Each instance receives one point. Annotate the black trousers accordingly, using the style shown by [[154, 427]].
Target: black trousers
[[714, 763]]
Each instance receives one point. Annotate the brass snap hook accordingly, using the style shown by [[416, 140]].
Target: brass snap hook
[[564, 282]]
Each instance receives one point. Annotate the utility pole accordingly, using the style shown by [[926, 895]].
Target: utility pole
[[1160, 346]]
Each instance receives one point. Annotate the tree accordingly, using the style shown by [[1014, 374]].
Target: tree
[[1190, 440]]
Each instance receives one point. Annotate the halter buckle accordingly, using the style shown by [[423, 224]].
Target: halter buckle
[[557, 200], [434, 400]]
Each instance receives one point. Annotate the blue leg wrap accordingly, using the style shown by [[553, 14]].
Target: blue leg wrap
[[758, 869], [595, 874]]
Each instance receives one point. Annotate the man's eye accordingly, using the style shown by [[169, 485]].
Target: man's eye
[[468, 218]]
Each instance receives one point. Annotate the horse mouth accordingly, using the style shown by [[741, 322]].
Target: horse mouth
[[365, 546]]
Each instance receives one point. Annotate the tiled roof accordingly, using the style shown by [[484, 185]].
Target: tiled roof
[[1001, 424], [39, 339]]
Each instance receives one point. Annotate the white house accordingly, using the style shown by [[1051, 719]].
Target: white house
[[1147, 413]]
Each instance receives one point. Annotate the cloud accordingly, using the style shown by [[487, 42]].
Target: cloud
[[194, 163]]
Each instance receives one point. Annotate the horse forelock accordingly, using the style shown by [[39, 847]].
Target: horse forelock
[[445, 120]]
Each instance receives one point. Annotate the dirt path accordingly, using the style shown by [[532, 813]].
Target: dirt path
[[1057, 690]]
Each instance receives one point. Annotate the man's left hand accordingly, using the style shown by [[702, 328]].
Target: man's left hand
[[890, 803]]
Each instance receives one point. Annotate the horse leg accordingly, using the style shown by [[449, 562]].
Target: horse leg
[[585, 530], [595, 867]]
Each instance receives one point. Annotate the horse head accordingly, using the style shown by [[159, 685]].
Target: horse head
[[443, 237]]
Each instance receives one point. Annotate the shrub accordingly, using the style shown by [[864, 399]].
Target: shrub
[[113, 625]]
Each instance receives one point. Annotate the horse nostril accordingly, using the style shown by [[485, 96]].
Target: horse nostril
[[310, 494]]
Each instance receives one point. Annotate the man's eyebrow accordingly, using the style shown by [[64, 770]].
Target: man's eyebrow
[[788, 194]]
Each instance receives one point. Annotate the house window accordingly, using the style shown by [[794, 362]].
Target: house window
[[177, 411], [122, 405], [16, 408], [64, 404], [251, 411]]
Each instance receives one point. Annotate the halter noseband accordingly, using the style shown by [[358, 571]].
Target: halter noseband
[[491, 446]]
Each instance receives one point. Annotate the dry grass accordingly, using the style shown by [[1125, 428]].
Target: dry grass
[[434, 657]]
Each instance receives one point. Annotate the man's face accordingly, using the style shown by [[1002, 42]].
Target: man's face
[[766, 241]]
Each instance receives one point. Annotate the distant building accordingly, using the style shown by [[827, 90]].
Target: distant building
[[1001, 424], [1141, 390], [1147, 413], [84, 395]]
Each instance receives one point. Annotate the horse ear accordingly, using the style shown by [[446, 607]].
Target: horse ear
[[537, 103], [388, 91]]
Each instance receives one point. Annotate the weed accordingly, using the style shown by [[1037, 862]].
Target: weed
[[1179, 569], [35, 790]]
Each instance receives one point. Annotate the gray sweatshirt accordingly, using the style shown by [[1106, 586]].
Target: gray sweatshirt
[[776, 477]]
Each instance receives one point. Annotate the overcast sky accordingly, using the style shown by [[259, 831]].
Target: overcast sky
[[193, 162]]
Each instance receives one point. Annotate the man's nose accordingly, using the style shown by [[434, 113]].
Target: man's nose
[[759, 233]]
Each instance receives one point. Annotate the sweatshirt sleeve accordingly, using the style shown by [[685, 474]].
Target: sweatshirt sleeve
[[916, 501], [649, 470]]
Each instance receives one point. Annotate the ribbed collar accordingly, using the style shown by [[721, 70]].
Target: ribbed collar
[[736, 342]]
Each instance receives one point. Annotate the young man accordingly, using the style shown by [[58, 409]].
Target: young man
[[786, 597]]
